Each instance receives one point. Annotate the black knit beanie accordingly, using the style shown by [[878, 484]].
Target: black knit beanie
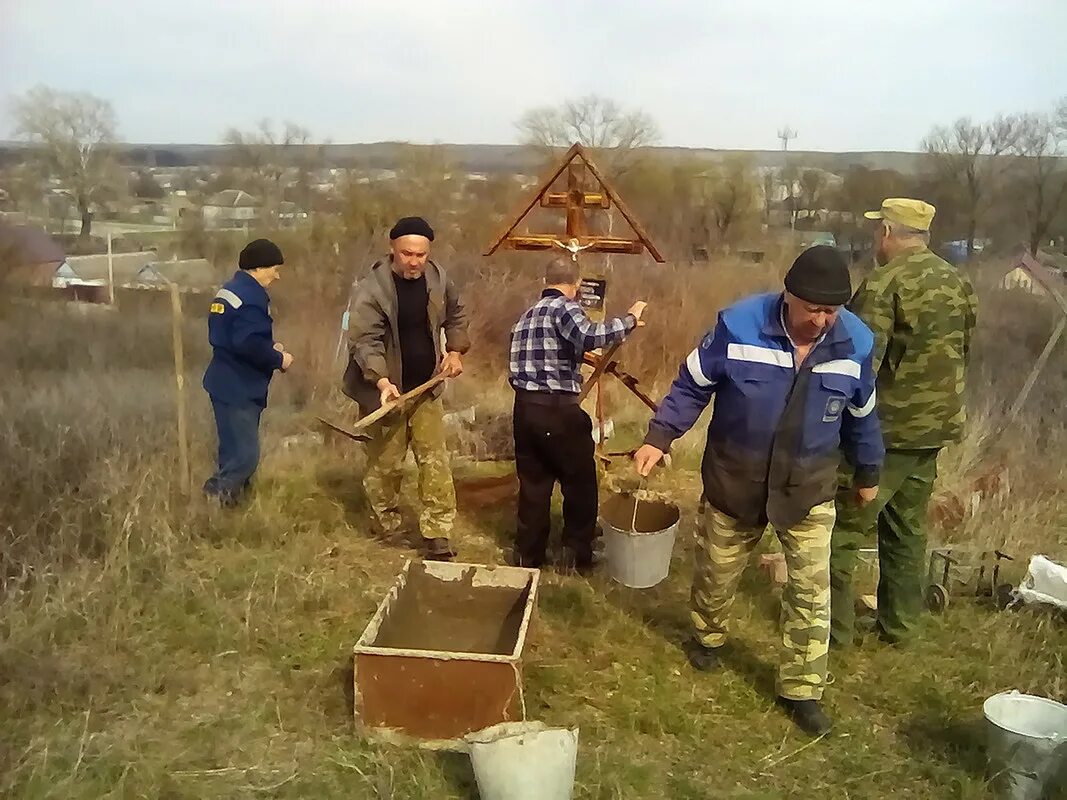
[[820, 275], [411, 226], [260, 253]]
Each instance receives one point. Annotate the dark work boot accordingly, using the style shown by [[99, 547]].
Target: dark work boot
[[516, 559], [583, 562], [807, 715], [439, 550], [705, 659]]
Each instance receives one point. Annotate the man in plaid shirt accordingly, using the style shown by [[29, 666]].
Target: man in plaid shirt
[[553, 435]]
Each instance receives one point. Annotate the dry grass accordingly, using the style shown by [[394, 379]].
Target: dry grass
[[151, 647]]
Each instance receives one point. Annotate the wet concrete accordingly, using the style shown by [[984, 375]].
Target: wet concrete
[[453, 616], [652, 516], [486, 492]]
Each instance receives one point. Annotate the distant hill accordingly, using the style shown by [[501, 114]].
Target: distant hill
[[488, 157]]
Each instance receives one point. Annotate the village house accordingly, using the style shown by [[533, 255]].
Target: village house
[[231, 208], [28, 255], [1028, 274], [93, 270]]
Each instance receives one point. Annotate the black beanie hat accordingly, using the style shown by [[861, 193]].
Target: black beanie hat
[[260, 253], [820, 275], [411, 226]]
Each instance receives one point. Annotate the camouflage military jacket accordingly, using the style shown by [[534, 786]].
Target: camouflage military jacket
[[922, 311]]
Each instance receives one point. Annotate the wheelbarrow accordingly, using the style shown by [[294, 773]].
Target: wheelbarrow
[[963, 568]]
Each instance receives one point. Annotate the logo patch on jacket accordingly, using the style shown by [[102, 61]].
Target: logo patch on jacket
[[218, 308], [834, 407]]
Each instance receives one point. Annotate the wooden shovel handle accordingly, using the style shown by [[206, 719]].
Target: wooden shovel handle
[[374, 416]]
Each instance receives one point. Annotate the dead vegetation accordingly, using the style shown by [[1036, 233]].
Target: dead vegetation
[[150, 647]]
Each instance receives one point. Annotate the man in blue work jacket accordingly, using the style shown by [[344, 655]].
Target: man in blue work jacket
[[793, 385], [244, 358]]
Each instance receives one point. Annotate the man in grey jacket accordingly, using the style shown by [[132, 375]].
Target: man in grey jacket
[[400, 311]]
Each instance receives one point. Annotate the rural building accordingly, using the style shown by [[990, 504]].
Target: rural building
[[28, 255], [290, 213], [192, 274], [1029, 275], [231, 208], [93, 270]]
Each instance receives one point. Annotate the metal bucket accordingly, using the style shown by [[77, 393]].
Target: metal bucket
[[638, 547], [1027, 745], [524, 761]]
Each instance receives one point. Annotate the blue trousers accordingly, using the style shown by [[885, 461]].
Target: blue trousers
[[238, 430]]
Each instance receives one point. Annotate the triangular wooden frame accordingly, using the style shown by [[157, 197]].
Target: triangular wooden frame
[[610, 244]]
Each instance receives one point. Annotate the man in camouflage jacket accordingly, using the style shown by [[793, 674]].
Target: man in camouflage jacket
[[408, 324], [922, 313]]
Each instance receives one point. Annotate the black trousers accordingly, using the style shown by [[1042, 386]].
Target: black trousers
[[554, 442]]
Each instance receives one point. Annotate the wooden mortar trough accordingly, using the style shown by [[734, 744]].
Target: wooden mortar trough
[[442, 656]]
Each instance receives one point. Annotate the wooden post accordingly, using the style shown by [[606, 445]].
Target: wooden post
[[179, 379], [110, 271]]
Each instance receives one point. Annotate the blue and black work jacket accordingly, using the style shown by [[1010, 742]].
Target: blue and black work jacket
[[777, 429], [241, 333]]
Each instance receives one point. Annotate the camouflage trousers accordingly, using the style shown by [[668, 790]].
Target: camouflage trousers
[[422, 428], [898, 516], [722, 553]]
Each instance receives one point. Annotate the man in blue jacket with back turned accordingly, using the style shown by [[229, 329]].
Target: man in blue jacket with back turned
[[244, 358], [793, 385]]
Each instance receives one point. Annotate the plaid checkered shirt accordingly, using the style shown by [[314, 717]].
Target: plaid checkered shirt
[[548, 341]]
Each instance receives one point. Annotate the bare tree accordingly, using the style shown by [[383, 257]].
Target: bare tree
[[812, 189], [1040, 170], [974, 156], [263, 159], [426, 184], [73, 134], [863, 189], [731, 199], [769, 186], [614, 134]]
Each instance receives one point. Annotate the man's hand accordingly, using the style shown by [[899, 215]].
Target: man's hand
[[866, 495], [287, 360], [279, 347], [637, 309], [452, 365], [388, 391], [646, 458]]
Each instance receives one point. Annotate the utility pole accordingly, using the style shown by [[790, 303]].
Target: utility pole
[[785, 134]]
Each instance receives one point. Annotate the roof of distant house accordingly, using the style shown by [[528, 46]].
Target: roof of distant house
[[1056, 261], [29, 245], [1049, 277], [126, 266], [197, 273], [232, 198]]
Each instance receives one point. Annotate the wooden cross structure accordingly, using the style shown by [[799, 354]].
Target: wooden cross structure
[[575, 201], [582, 196]]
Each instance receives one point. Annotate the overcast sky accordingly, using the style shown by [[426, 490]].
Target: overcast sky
[[846, 74]]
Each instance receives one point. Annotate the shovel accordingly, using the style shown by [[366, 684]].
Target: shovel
[[374, 416]]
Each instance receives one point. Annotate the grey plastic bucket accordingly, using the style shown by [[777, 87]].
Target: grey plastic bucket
[[1026, 744], [638, 551], [524, 761]]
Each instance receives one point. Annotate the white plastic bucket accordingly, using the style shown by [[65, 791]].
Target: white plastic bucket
[[638, 549], [524, 761], [1026, 745]]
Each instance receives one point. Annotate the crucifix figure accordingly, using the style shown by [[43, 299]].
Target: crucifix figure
[[573, 247]]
